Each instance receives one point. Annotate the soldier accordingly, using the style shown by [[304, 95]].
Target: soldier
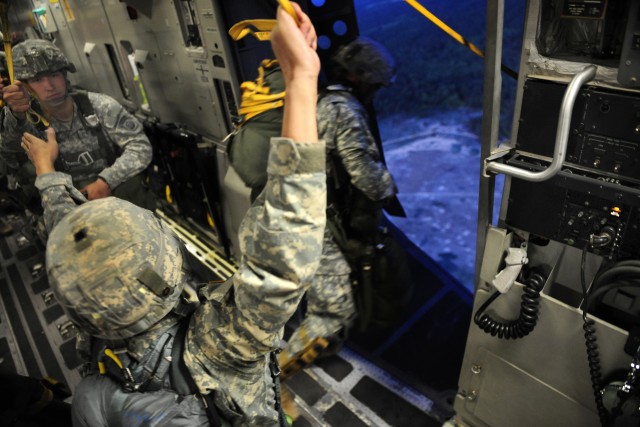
[[102, 146], [120, 275], [358, 186]]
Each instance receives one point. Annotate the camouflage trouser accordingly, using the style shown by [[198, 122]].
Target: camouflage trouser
[[330, 305], [99, 401]]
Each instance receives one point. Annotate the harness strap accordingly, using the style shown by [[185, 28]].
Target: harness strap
[[257, 97], [183, 382], [90, 121], [153, 367], [259, 28], [274, 367]]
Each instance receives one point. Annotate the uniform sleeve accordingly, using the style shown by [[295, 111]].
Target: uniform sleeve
[[59, 197], [10, 135], [127, 132], [346, 126], [281, 243]]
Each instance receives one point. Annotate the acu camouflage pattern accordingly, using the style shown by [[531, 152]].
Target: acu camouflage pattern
[[79, 146], [330, 304], [230, 338], [107, 289], [35, 56], [231, 335], [343, 125]]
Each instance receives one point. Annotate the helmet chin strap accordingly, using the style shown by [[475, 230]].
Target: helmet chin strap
[[51, 109]]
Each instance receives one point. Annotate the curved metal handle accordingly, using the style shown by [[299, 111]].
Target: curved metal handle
[[562, 134]]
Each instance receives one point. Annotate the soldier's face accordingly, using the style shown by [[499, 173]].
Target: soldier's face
[[51, 89]]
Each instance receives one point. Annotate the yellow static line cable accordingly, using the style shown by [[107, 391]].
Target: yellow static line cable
[[444, 27], [447, 29], [259, 28], [286, 5], [9, 58], [6, 38], [32, 116]]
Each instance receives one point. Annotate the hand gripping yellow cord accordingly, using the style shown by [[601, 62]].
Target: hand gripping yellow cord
[[286, 5], [260, 28], [32, 116]]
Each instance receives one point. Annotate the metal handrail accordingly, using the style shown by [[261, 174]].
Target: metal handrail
[[562, 134]]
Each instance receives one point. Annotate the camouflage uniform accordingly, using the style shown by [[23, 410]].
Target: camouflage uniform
[[84, 158], [80, 147], [343, 125], [232, 333]]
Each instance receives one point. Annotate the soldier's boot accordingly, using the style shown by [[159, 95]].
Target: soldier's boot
[[289, 405], [290, 364]]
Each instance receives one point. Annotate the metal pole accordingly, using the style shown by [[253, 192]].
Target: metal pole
[[490, 123]]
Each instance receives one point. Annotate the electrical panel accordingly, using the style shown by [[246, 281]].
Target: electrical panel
[[597, 187]]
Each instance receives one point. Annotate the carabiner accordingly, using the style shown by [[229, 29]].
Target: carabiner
[[35, 118]]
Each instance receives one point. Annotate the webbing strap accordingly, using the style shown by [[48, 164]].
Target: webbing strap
[[256, 97], [259, 28], [183, 382], [107, 148], [274, 367]]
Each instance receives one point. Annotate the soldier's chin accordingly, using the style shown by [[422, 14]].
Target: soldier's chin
[[55, 102]]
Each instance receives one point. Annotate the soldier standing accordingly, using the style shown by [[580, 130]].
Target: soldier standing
[[358, 186]]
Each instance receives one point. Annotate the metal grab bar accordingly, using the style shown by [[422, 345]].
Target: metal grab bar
[[562, 134]]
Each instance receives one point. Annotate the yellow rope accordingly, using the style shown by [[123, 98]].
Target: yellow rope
[[447, 29], [259, 28], [32, 116], [444, 27], [256, 97]]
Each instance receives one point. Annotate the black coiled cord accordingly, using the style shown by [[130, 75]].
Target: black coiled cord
[[620, 275], [593, 356], [528, 318], [594, 369]]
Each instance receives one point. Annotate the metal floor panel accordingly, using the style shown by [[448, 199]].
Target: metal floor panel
[[40, 340], [366, 396]]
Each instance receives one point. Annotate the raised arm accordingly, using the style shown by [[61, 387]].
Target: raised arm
[[281, 235], [58, 194], [295, 50]]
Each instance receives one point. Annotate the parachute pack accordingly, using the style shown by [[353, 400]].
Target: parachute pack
[[261, 108]]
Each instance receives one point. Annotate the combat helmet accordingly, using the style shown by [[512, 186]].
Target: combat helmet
[[367, 59], [35, 56], [114, 268]]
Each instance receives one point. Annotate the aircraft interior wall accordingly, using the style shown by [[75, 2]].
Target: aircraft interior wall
[[560, 347]]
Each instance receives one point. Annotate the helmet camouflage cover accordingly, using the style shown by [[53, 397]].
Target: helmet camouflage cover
[[35, 56], [368, 60], [114, 267]]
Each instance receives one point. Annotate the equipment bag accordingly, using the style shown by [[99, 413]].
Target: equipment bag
[[261, 109], [380, 274]]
